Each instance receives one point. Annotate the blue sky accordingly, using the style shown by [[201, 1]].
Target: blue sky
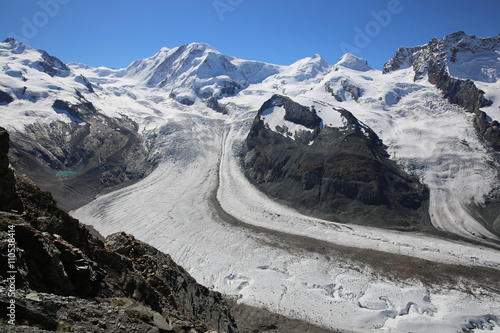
[[115, 33]]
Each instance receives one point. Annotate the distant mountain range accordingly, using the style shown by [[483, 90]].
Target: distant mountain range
[[91, 121], [193, 139]]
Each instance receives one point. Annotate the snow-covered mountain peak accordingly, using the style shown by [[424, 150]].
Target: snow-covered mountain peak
[[310, 67], [351, 61], [196, 71], [37, 59], [199, 48], [14, 46]]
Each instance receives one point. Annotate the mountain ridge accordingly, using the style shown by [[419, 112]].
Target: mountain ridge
[[437, 61], [198, 177]]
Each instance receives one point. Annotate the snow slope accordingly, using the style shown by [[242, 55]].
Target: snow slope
[[24, 67], [198, 206]]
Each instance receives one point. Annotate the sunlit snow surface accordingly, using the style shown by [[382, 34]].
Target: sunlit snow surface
[[183, 207], [173, 210]]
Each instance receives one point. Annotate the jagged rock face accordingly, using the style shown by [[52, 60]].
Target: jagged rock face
[[52, 65], [48, 263], [52, 312], [91, 154], [436, 60], [345, 87], [344, 174], [10, 199], [162, 271], [57, 256]]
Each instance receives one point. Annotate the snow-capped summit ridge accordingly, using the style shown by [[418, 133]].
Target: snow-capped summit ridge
[[310, 67], [351, 61], [197, 71], [13, 46], [20, 54]]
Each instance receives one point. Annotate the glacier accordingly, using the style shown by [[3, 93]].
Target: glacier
[[198, 206]]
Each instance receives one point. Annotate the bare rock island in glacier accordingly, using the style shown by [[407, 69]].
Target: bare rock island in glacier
[[340, 172]]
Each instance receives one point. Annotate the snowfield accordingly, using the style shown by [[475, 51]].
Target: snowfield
[[198, 206]]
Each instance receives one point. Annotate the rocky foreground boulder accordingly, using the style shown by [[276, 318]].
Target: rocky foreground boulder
[[60, 277]]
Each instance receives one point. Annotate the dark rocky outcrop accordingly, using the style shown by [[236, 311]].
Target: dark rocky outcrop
[[465, 94], [344, 175], [347, 87], [5, 98], [66, 279], [87, 84], [489, 130], [78, 160], [355, 91], [52, 65], [213, 103], [10, 200], [52, 312]]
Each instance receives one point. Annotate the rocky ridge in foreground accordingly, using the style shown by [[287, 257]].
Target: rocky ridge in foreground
[[66, 279]]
